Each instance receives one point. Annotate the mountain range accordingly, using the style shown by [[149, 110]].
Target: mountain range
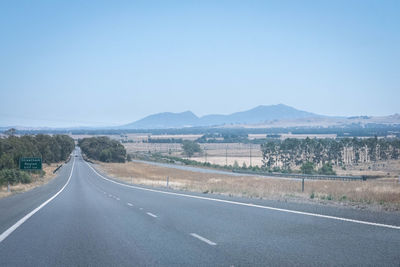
[[257, 115]]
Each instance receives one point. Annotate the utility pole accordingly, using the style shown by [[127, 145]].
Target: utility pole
[[226, 155], [250, 155]]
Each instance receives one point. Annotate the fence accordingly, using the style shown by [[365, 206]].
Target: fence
[[304, 176]]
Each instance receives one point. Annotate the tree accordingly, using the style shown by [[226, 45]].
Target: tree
[[307, 167], [10, 132], [326, 169], [103, 148], [236, 165], [190, 147]]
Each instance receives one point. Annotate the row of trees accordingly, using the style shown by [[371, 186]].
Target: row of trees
[[50, 148], [103, 148], [294, 152]]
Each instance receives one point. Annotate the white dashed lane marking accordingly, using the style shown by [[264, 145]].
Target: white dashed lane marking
[[203, 239], [151, 214]]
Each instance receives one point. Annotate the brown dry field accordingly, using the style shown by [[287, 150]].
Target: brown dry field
[[378, 194], [213, 153], [37, 181], [227, 154]]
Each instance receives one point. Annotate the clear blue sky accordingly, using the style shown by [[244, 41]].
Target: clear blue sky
[[68, 63]]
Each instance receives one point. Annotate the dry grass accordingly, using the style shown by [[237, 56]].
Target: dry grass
[[36, 181], [382, 193]]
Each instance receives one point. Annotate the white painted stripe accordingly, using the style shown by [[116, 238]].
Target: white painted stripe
[[129, 204], [203, 239], [251, 205], [7, 232], [151, 214]]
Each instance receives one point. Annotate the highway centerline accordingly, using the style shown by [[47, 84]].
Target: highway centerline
[[129, 204], [203, 239]]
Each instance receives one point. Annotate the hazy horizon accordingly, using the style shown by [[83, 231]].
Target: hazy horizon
[[68, 64]]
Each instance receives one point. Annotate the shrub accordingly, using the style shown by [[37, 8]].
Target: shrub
[[13, 176], [326, 169]]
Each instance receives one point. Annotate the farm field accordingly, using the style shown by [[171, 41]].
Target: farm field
[[248, 154], [378, 194], [221, 154]]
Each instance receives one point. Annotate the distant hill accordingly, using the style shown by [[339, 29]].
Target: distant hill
[[260, 114], [165, 120]]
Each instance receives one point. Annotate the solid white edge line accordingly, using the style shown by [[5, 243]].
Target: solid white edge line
[[7, 232], [203, 239], [151, 214], [129, 204], [251, 205]]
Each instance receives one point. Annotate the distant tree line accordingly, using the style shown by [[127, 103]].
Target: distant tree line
[[50, 148], [231, 137], [292, 152], [103, 149], [164, 140]]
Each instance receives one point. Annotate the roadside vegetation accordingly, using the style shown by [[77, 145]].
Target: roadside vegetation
[[50, 148], [103, 149], [379, 194]]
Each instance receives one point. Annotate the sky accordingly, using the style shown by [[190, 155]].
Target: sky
[[107, 63]]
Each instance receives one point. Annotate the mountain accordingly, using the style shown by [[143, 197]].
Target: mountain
[[260, 114], [164, 120], [256, 115]]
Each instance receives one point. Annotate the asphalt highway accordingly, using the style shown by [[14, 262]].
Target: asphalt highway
[[97, 221]]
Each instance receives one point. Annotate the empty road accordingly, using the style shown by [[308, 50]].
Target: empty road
[[88, 219]]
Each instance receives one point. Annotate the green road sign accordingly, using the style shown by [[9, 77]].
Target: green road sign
[[30, 163]]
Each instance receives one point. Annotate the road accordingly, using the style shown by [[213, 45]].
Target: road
[[96, 221]]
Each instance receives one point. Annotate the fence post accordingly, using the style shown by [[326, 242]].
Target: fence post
[[167, 181], [8, 186], [302, 185]]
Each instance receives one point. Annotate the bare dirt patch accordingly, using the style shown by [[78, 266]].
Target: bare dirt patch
[[36, 181], [381, 194]]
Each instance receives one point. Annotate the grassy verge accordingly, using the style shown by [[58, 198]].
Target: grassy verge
[[36, 180], [379, 194]]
